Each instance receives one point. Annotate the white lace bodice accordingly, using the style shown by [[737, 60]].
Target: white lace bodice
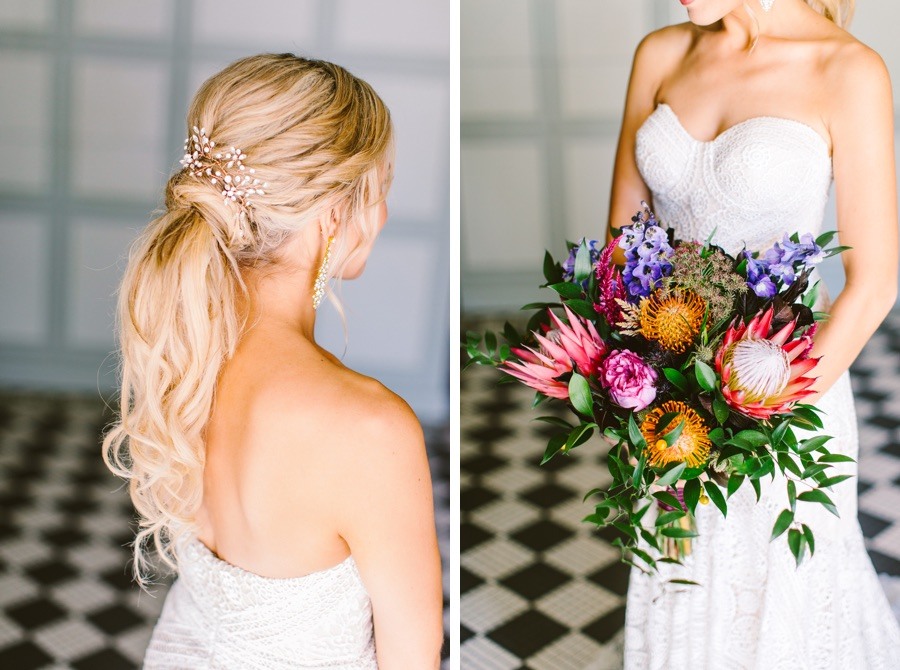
[[219, 616], [751, 184]]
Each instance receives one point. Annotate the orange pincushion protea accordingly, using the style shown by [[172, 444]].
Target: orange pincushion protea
[[691, 447], [764, 374], [672, 319]]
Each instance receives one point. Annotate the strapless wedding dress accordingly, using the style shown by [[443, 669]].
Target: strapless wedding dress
[[218, 616], [755, 610]]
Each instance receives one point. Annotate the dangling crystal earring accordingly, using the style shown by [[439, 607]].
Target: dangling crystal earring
[[322, 275], [767, 4]]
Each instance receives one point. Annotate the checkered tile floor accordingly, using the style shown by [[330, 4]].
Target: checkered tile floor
[[539, 589], [66, 600]]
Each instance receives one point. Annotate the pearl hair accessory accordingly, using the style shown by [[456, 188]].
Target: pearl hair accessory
[[766, 4], [322, 276], [237, 184]]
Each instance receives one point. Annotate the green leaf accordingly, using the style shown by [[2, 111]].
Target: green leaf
[[782, 523], [792, 494], [814, 469], [825, 238], [556, 443], [755, 438], [582, 262], [715, 494], [634, 433], [809, 415], [664, 421], [644, 556], [717, 436], [555, 421], [627, 529], [756, 487], [779, 433], [567, 289], [788, 463], [668, 499], [720, 409], [672, 436], [599, 517], [831, 481], [836, 458], [582, 308], [639, 470], [651, 539], [684, 581], [810, 540], [677, 379], [615, 468], [734, 483], [552, 272], [812, 444], [820, 497], [669, 517], [692, 494], [490, 342], [678, 532], [671, 475], [579, 435], [706, 377], [580, 395], [795, 541]]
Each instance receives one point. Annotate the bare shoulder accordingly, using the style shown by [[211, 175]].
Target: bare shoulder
[[854, 68], [666, 45], [317, 401]]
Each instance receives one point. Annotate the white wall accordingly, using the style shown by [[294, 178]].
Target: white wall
[[93, 98], [543, 84]]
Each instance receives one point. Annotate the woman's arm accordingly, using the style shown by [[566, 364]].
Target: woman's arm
[[657, 53], [387, 519], [862, 131]]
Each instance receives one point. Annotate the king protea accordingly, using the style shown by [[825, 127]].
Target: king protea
[[764, 374], [567, 347]]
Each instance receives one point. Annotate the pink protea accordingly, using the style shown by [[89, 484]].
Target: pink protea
[[610, 286], [567, 347], [764, 374]]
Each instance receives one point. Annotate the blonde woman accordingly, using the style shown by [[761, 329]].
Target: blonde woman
[[738, 122], [291, 494]]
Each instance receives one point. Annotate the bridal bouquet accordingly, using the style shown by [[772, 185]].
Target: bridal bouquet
[[693, 364]]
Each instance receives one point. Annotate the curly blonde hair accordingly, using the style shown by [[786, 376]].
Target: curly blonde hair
[[322, 139]]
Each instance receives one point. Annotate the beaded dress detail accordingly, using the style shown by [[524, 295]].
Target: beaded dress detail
[[222, 617], [754, 609]]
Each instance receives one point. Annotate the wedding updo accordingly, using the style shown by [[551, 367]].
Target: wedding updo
[[319, 139]]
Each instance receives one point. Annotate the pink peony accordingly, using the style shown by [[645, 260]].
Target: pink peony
[[631, 383]]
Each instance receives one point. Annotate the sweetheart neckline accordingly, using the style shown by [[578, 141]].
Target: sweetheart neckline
[[211, 555], [805, 126]]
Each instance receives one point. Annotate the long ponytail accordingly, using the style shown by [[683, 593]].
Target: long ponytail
[[320, 138]]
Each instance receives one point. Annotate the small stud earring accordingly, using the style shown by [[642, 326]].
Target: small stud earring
[[767, 4], [322, 275]]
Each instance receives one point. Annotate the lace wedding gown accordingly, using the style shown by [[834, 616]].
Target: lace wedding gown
[[218, 616], [755, 610]]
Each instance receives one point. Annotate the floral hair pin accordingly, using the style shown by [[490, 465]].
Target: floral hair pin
[[222, 168]]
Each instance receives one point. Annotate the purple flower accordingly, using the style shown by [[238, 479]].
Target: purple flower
[[647, 253], [764, 287], [630, 382]]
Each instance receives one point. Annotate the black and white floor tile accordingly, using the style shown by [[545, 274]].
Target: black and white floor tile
[[66, 598], [541, 590]]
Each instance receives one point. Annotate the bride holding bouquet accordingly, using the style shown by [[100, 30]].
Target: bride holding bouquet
[[736, 123]]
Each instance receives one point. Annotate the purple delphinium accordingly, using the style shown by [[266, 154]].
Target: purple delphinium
[[757, 277], [781, 264], [647, 254], [787, 258], [568, 266]]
